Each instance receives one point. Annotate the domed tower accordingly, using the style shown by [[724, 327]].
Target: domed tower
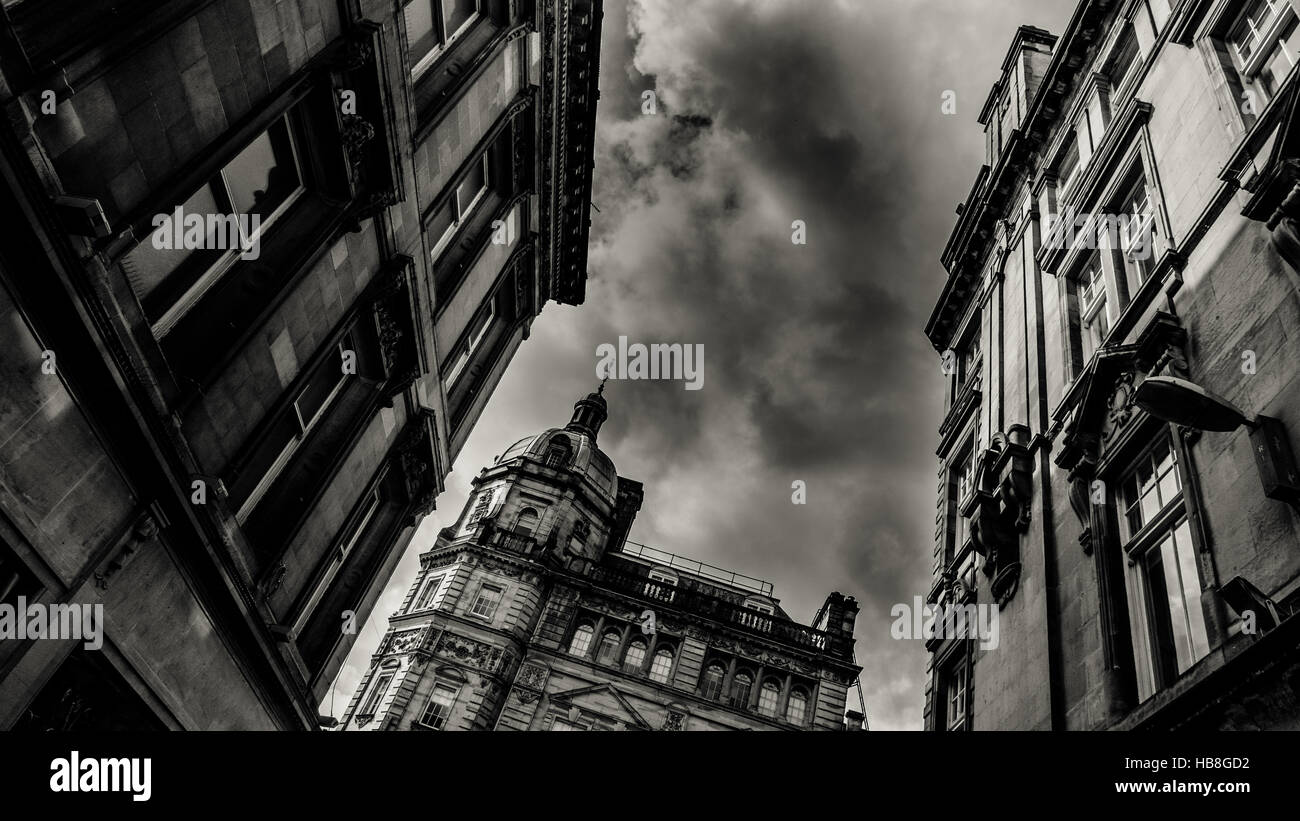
[[552, 502]]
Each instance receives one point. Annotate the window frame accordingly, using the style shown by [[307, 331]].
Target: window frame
[[660, 651], [428, 593], [461, 214], [378, 690], [372, 502], [483, 589], [431, 702], [206, 276], [443, 40], [586, 629], [347, 342]]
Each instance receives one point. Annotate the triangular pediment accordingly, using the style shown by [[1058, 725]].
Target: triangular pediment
[[604, 701]]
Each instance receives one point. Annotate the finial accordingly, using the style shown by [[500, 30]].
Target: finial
[[601, 390]]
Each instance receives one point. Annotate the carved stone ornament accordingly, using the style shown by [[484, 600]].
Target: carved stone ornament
[[1001, 509], [145, 530]]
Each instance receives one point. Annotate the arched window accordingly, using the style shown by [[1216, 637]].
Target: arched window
[[768, 696], [608, 650], [741, 686], [662, 666], [711, 682], [581, 641], [526, 524], [634, 658], [796, 707]]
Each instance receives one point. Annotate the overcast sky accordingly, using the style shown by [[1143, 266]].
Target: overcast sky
[[816, 367]]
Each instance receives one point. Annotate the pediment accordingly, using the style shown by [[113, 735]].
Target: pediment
[[603, 701]]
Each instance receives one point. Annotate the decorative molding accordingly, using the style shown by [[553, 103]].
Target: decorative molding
[[1000, 508]]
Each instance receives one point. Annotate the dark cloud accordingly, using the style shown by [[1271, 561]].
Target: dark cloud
[[815, 365]]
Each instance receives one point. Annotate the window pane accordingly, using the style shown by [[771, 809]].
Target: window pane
[[581, 641], [420, 33], [662, 665], [146, 266], [768, 696], [442, 226], [635, 657], [608, 650], [711, 684], [467, 192], [263, 176], [457, 13], [1183, 557], [796, 708]]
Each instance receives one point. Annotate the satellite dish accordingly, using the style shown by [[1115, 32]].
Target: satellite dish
[[1186, 403]]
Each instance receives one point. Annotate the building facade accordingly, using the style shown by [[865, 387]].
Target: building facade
[[266, 261], [1132, 237], [534, 612]]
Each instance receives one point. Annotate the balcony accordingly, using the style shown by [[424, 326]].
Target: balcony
[[700, 604]]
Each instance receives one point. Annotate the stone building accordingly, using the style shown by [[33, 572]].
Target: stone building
[[265, 260], [534, 612], [1122, 273]]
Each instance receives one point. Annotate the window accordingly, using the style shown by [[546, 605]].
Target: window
[[526, 524], [485, 605], [662, 666], [557, 454], [1094, 313], [377, 694], [371, 505], [956, 698], [451, 217], [768, 696], [1169, 633], [969, 362], [291, 429], [963, 471], [1138, 235], [438, 710], [428, 594], [478, 330], [431, 25], [236, 207], [634, 658], [1263, 43], [1067, 172], [741, 686], [1123, 69], [711, 681], [607, 653], [580, 644], [796, 707]]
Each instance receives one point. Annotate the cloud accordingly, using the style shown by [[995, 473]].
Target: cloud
[[815, 365]]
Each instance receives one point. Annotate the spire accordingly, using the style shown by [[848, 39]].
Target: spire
[[589, 413]]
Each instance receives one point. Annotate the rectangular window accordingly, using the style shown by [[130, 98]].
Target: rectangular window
[[465, 353], [291, 429], [223, 219], [485, 605], [1137, 232], [377, 694], [1067, 172], [441, 702], [371, 505], [1094, 313], [1164, 584], [1123, 69], [963, 471], [1263, 44], [427, 594], [433, 24], [955, 701], [447, 221]]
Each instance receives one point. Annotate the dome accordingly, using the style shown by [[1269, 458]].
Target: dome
[[573, 446]]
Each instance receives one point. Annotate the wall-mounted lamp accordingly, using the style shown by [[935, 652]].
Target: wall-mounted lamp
[[1188, 404]]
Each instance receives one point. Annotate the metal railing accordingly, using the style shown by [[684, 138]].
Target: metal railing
[[698, 568]]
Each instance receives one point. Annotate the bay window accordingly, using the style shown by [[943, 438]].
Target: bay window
[[1263, 43]]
